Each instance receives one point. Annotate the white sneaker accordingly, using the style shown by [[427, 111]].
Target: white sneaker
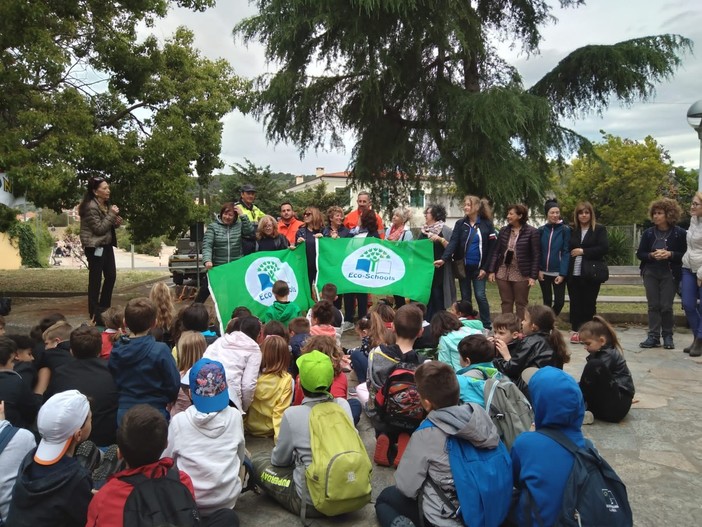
[[588, 418], [347, 326]]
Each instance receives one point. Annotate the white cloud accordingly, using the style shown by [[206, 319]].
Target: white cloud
[[598, 22]]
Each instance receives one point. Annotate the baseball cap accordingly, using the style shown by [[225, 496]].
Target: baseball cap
[[60, 417], [316, 371], [248, 188], [208, 386]]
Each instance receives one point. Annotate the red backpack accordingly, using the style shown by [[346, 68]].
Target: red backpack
[[398, 400]]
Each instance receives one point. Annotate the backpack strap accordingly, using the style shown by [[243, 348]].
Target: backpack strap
[[491, 395], [6, 436], [560, 438]]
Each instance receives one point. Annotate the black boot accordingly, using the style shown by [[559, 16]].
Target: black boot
[[687, 349], [696, 350]]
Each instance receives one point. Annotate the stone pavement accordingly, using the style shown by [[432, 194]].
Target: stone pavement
[[657, 449]]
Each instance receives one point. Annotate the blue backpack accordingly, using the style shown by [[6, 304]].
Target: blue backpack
[[483, 481]]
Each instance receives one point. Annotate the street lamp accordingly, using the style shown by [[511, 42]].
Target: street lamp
[[694, 117]]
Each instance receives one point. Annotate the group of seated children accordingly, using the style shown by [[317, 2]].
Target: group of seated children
[[272, 380]]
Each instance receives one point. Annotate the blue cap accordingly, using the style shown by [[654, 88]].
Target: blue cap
[[208, 386]]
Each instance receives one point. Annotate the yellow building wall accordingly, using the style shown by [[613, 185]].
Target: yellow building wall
[[9, 255]]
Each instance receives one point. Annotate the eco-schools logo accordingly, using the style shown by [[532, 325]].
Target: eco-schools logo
[[262, 274], [373, 266]]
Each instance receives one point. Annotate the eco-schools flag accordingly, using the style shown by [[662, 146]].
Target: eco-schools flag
[[372, 265], [249, 282]]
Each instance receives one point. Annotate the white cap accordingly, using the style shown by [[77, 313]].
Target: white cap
[[60, 417]]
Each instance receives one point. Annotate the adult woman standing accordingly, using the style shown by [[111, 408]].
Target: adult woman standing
[[98, 220], [307, 234], [267, 236], [443, 286], [661, 250], [589, 243], [398, 231], [515, 261], [471, 245], [555, 257], [222, 242], [692, 275], [336, 227]]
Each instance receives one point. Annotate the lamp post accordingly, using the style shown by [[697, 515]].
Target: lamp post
[[694, 117]]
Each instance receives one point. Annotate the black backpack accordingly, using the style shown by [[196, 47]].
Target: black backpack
[[159, 501], [594, 495]]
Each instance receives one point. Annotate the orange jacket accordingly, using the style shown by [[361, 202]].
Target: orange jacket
[[289, 231]]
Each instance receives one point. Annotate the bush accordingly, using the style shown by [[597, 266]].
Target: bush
[[620, 247], [23, 235]]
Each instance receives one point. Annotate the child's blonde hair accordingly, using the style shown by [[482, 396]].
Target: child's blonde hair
[[599, 327], [61, 330], [327, 345], [275, 355], [191, 347], [161, 297]]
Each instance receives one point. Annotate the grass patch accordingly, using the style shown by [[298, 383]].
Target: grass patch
[[66, 280]]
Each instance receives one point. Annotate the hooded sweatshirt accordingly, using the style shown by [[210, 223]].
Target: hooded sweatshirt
[[426, 456], [144, 372], [56, 495], [241, 358], [448, 346], [209, 447], [273, 396], [558, 404], [283, 312]]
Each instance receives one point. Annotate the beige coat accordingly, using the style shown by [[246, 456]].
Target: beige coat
[[97, 227]]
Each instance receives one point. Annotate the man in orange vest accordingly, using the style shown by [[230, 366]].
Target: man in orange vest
[[288, 223], [354, 217]]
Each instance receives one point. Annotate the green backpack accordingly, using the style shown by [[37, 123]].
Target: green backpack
[[339, 477]]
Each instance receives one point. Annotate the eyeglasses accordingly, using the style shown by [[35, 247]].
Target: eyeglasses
[[307, 214], [695, 204]]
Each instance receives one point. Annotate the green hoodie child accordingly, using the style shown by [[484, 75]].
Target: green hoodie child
[[282, 309]]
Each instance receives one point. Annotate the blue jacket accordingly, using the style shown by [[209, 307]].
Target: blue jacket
[[459, 238], [558, 404], [144, 372], [555, 248], [676, 243]]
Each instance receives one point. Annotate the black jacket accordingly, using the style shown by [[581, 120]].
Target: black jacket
[[91, 378], [531, 351], [58, 356], [676, 243], [615, 363], [21, 405], [56, 495], [456, 247], [595, 245], [528, 249]]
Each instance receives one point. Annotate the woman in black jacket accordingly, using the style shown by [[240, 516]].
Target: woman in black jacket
[[267, 236], [588, 243], [515, 262]]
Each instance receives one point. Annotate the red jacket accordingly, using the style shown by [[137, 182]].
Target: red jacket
[[339, 388], [289, 231], [107, 506]]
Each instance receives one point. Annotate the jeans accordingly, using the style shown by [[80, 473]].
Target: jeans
[[99, 266], [660, 294], [583, 300], [478, 287], [359, 363], [602, 394], [691, 293], [553, 293]]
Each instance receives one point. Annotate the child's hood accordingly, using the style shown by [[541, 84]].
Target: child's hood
[[284, 308], [236, 340], [468, 421], [557, 399], [212, 424], [132, 350], [31, 485]]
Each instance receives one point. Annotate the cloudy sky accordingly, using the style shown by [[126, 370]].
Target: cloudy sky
[[598, 22]]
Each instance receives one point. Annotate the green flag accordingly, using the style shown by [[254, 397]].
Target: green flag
[[372, 265], [249, 282]]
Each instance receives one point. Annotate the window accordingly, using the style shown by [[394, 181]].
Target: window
[[417, 198]]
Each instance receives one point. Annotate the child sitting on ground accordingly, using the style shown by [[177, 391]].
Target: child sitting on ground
[[282, 309], [191, 347], [508, 328], [57, 350], [52, 488], [274, 390], [468, 316], [113, 317], [24, 359], [329, 293], [425, 481], [448, 332], [542, 345], [299, 329], [322, 318], [161, 297], [477, 353], [21, 405], [392, 439], [143, 369], [206, 441], [328, 346], [240, 354], [141, 438], [374, 330], [606, 381], [276, 328]]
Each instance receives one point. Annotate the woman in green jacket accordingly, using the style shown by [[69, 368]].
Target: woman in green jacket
[[222, 241]]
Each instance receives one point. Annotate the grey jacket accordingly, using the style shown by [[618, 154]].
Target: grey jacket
[[293, 445], [97, 228], [426, 456]]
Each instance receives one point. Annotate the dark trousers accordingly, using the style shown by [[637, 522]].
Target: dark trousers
[[603, 396], [204, 292], [553, 293], [660, 293], [221, 518], [352, 298], [392, 506], [583, 300], [436, 301], [98, 267]]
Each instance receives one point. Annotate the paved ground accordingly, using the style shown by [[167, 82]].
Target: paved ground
[[657, 449]]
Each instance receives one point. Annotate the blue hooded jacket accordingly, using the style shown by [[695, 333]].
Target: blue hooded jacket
[[538, 462], [144, 372]]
